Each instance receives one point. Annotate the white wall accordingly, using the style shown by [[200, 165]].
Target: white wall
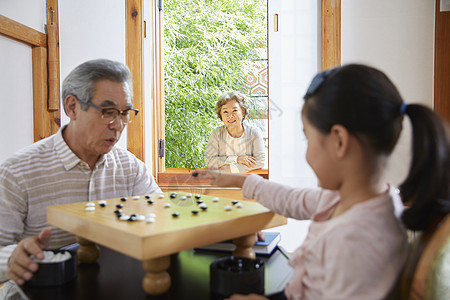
[[16, 83], [31, 13], [396, 37], [89, 30]]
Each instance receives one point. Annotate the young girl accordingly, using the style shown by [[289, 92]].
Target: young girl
[[356, 245]]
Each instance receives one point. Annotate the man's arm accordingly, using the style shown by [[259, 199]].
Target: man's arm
[[15, 263], [144, 182], [12, 212]]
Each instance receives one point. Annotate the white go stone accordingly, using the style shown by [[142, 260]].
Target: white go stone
[[140, 217], [136, 197], [228, 207], [202, 205], [189, 195], [239, 205], [183, 198], [124, 217], [166, 205], [102, 202], [90, 204], [215, 199], [150, 215], [160, 196], [150, 220], [89, 208]]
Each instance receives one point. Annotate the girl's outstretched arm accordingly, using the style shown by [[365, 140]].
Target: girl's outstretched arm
[[219, 178]]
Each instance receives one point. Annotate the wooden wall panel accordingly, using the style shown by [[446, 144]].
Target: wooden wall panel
[[442, 63], [134, 23], [331, 33], [54, 78], [40, 114], [22, 33]]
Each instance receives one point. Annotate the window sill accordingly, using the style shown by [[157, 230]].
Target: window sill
[[181, 176]]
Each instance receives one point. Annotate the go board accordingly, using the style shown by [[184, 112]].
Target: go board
[[156, 225]]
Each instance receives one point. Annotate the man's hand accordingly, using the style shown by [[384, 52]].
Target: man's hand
[[20, 266]]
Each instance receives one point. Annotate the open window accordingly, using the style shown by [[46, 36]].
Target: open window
[[209, 48], [167, 175]]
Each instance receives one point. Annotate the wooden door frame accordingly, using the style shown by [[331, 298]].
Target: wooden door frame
[[134, 43], [331, 34], [442, 63]]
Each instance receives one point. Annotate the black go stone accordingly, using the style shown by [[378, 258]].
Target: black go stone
[[204, 208], [150, 201], [119, 205], [132, 218], [235, 202], [173, 195], [118, 215], [199, 201], [103, 204], [175, 215], [147, 197], [194, 212], [123, 199], [197, 196], [119, 211]]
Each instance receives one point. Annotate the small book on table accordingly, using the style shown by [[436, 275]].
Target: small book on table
[[265, 247]]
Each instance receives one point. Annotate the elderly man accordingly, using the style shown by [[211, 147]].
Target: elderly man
[[78, 163]]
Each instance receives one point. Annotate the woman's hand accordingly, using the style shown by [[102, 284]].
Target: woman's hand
[[221, 178], [225, 168], [247, 160], [20, 266]]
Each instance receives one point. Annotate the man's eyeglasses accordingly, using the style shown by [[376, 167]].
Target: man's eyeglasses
[[109, 115]]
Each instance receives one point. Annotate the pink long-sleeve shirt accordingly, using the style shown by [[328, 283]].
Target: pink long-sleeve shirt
[[357, 255]]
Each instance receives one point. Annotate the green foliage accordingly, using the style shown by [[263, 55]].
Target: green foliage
[[209, 46]]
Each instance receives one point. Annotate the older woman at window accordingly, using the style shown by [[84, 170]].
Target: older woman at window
[[236, 146]]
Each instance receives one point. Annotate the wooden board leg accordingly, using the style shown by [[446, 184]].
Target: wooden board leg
[[157, 281], [88, 252], [244, 246]]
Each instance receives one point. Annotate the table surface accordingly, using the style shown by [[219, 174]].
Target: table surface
[[168, 234], [118, 276]]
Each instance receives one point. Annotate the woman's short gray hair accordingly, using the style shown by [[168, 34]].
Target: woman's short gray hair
[[229, 96], [81, 81]]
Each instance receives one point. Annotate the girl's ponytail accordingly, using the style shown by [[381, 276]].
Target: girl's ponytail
[[426, 189]]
